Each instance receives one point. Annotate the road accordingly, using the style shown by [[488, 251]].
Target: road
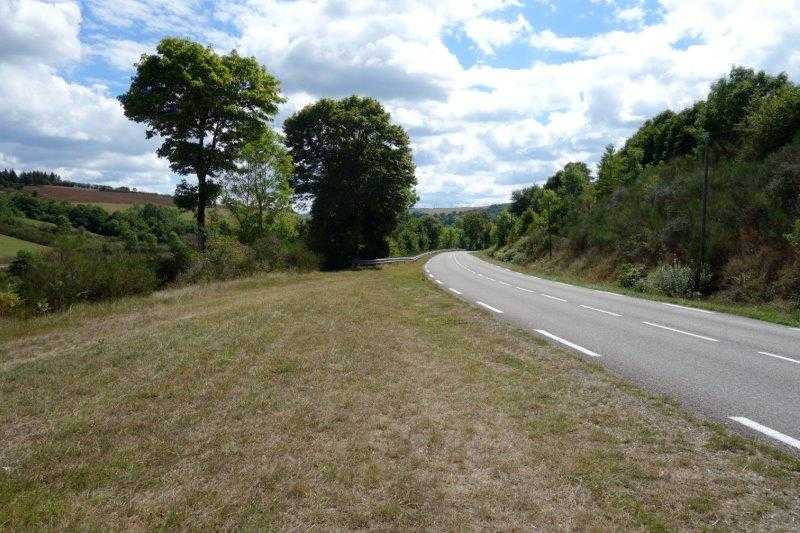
[[743, 372]]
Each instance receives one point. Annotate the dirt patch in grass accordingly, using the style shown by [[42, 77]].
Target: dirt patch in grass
[[349, 400]]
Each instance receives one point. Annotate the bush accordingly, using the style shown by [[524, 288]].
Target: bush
[[176, 261], [672, 280], [299, 256], [274, 253], [630, 275], [9, 302], [224, 258], [78, 270]]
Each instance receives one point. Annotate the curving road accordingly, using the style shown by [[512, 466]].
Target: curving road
[[743, 372]]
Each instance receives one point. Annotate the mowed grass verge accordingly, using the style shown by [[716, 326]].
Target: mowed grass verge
[[351, 399], [9, 246]]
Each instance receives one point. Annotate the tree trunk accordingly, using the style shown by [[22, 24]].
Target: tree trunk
[[201, 211]]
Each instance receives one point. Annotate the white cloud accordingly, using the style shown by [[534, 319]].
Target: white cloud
[[32, 30], [631, 14], [489, 34], [121, 54], [478, 132]]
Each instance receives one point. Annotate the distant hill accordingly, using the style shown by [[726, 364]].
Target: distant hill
[[491, 210], [80, 195]]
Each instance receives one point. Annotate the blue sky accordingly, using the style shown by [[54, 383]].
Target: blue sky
[[496, 94]]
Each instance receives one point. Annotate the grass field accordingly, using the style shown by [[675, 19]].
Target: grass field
[[349, 400], [776, 312], [9, 246]]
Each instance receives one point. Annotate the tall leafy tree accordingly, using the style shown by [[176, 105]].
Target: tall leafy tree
[[355, 167], [204, 106], [258, 191]]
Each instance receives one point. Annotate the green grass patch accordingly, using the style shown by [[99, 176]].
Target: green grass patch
[[9, 246]]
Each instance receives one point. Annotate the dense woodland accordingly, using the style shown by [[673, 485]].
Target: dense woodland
[[637, 220], [9, 178]]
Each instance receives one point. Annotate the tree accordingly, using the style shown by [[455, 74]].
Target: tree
[[258, 190], [186, 195], [550, 216], [502, 228], [475, 227], [204, 106], [355, 166]]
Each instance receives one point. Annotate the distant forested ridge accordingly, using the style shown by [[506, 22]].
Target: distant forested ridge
[[10, 178], [637, 220]]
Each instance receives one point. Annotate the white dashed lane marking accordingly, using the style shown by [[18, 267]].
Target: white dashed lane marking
[[777, 435], [600, 310], [681, 332], [689, 308], [776, 356], [489, 307], [567, 343]]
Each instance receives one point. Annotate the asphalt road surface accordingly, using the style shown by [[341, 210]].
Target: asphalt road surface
[[743, 372]]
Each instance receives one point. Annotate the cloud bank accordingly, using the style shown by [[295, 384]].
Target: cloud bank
[[495, 93]]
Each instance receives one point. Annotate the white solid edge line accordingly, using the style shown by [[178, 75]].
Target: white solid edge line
[[681, 331], [437, 281], [503, 283], [453, 290], [600, 310], [524, 289], [781, 357], [553, 297], [489, 307], [777, 435], [689, 308], [567, 343]]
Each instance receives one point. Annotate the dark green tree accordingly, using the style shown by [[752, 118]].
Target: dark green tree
[[475, 227], [355, 167], [186, 196], [204, 107]]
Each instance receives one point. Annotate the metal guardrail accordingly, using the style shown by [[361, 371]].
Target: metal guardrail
[[389, 260]]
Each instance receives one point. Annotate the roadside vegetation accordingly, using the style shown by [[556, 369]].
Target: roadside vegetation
[[637, 222], [348, 400]]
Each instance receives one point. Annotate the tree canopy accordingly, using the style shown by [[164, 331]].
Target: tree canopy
[[204, 107], [258, 191], [355, 167]]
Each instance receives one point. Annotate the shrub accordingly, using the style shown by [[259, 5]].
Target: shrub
[[78, 270], [224, 258], [630, 275], [299, 256], [274, 253], [672, 280], [176, 261], [9, 302]]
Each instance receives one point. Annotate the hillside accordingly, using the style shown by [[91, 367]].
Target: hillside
[[491, 210], [640, 220], [348, 400], [9, 246], [103, 197]]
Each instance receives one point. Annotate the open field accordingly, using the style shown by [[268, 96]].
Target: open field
[[776, 312], [81, 195], [351, 399], [9, 246]]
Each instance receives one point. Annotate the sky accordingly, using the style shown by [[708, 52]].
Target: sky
[[495, 94]]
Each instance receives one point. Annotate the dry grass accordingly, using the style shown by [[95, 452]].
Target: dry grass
[[349, 400]]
